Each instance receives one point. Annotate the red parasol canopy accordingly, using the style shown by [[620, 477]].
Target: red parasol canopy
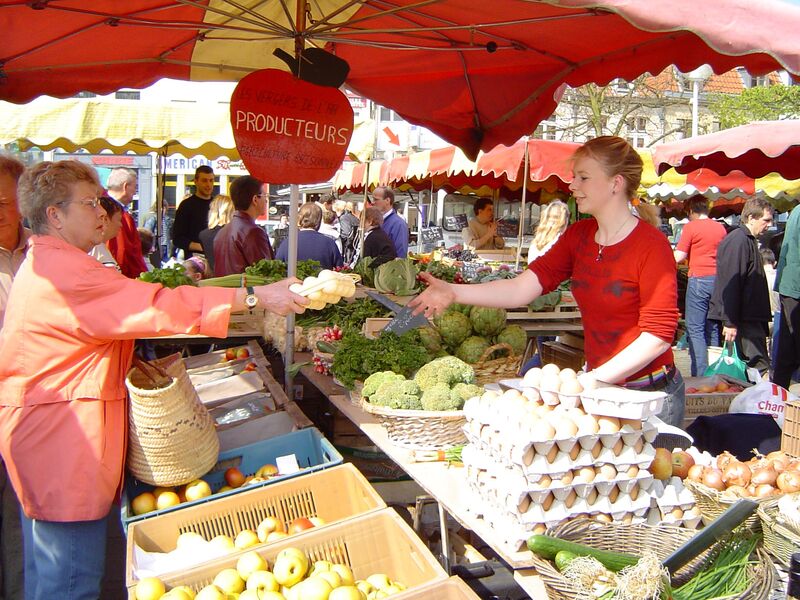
[[476, 73], [756, 149]]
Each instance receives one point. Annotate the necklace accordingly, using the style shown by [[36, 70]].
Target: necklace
[[601, 247]]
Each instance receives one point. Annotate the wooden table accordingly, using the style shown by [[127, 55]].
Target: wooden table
[[446, 484]]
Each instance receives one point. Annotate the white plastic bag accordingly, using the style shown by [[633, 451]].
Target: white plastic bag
[[763, 398]]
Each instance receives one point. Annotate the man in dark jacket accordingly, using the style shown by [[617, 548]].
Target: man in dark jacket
[[376, 243], [241, 242], [741, 294]]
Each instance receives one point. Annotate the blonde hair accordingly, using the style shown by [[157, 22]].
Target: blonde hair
[[617, 157], [197, 268], [649, 213], [553, 220], [48, 184], [220, 211], [309, 216]]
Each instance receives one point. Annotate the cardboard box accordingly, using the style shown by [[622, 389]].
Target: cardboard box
[[562, 355], [709, 404], [334, 495], [449, 589], [377, 542]]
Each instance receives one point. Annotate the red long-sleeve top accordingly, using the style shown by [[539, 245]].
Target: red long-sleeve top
[[632, 289], [127, 248]]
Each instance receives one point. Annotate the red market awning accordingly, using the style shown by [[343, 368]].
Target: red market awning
[[754, 150], [476, 73]]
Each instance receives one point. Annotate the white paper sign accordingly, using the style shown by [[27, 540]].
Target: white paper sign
[[287, 464]]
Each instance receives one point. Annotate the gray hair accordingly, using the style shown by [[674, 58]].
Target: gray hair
[[119, 177], [47, 184]]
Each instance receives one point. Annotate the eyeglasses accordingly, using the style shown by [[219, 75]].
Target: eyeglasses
[[90, 202]]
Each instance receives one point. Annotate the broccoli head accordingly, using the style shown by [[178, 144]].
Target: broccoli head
[[397, 393], [438, 397], [447, 369], [462, 392], [374, 381]]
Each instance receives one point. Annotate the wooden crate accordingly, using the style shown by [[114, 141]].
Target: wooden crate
[[790, 437], [562, 355], [376, 542], [334, 495], [374, 325], [449, 589]]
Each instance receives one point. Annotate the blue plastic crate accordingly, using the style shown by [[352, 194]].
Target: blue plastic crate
[[312, 450]]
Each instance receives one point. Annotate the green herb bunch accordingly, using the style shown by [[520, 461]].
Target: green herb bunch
[[170, 277]]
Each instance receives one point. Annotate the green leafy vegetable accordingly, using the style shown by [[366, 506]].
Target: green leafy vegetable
[[398, 276], [170, 277]]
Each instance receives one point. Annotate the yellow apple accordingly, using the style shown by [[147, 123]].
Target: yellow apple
[[150, 588], [250, 562], [267, 471], [267, 526], [276, 535], [224, 488], [347, 592], [211, 592], [229, 581], [290, 566], [320, 566], [345, 573], [379, 581], [176, 594], [167, 499], [317, 521], [197, 489], [314, 588], [188, 539], [365, 586], [222, 542], [392, 589], [185, 589], [245, 539], [143, 503], [263, 581], [331, 577]]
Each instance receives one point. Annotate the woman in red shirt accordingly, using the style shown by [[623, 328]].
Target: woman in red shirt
[[623, 278]]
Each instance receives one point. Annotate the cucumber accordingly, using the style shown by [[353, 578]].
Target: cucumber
[[324, 346], [548, 547], [563, 559]]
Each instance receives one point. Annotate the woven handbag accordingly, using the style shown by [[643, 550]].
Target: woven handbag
[[171, 439]]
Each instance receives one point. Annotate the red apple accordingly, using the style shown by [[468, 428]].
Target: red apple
[[300, 524], [243, 353], [234, 477], [250, 366], [230, 354], [691, 390], [681, 463], [661, 467]]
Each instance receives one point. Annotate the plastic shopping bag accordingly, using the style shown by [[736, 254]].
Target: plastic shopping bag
[[728, 364], [763, 398]]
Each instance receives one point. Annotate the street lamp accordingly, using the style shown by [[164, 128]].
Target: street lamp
[[699, 76]]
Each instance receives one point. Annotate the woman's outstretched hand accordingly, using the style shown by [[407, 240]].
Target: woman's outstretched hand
[[434, 300]]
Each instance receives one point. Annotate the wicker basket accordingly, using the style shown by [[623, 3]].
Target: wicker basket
[[491, 371], [171, 439], [635, 539], [421, 429], [712, 503], [781, 540]]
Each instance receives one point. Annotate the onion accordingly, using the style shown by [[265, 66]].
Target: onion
[[764, 475], [780, 461], [789, 482], [723, 460], [713, 479], [738, 490], [736, 473], [764, 490], [696, 472]]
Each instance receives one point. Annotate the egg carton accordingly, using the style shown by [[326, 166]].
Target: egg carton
[[672, 493], [561, 462], [615, 401], [561, 488], [688, 519]]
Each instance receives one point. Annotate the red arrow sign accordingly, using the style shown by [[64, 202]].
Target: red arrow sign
[[393, 139]]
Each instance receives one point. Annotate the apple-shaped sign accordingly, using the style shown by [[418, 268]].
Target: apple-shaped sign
[[288, 130]]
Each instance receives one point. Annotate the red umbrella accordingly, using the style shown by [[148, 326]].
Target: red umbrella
[[476, 73], [756, 150]]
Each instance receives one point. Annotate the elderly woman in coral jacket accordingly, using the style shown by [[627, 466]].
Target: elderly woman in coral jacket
[[67, 344]]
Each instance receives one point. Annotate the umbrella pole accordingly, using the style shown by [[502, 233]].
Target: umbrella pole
[[522, 205], [161, 158], [291, 267]]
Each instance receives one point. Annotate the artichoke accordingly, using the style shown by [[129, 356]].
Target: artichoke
[[471, 349], [454, 328], [431, 339], [398, 276], [516, 336], [487, 321]]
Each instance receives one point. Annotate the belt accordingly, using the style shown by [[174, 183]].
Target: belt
[[657, 380]]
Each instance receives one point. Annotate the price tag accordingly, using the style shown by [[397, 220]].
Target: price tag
[[507, 229], [469, 270], [456, 222], [430, 235], [287, 464]]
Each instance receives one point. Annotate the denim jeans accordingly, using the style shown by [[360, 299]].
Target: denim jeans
[[675, 402], [701, 331], [63, 560]]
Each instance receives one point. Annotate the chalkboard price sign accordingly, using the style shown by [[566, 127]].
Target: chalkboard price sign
[[430, 235], [507, 229], [456, 222], [469, 270]]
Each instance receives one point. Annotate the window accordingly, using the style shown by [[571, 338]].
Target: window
[[637, 131], [86, 95], [128, 95], [388, 114], [546, 130], [684, 127], [622, 86]]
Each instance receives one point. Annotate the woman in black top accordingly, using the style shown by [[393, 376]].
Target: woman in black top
[[376, 243]]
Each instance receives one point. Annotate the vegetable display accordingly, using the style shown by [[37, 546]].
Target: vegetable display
[[398, 277], [346, 314], [170, 277], [275, 270], [760, 477]]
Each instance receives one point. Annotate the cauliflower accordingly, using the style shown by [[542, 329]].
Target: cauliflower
[[447, 369], [374, 381], [487, 321], [438, 397], [471, 349], [454, 328], [462, 392], [397, 393], [516, 337]]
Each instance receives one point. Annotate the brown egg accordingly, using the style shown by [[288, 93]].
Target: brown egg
[[617, 449], [605, 472], [632, 471], [596, 449], [552, 454], [550, 369], [524, 505], [567, 478], [539, 528], [585, 475], [587, 425], [570, 499], [636, 424], [613, 494], [567, 374], [604, 518], [608, 424], [573, 453], [592, 497], [634, 493], [571, 387], [547, 502]]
